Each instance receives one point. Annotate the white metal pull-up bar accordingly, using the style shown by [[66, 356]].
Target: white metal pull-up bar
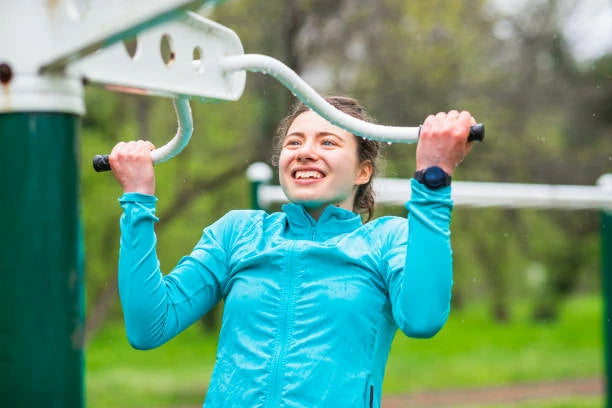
[[156, 49], [394, 191]]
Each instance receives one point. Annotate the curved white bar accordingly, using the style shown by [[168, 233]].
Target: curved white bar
[[275, 68], [183, 133]]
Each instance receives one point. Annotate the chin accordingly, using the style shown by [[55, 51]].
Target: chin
[[308, 202]]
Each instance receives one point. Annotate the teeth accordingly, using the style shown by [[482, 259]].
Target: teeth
[[308, 174]]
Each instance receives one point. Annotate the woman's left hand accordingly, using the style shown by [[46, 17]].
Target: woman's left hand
[[443, 140]]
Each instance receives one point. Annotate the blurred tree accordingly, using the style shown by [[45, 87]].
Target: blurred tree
[[548, 120]]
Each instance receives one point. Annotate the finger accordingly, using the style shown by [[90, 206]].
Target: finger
[[150, 145], [140, 147], [453, 114], [438, 122], [428, 122], [118, 147], [464, 120], [465, 117]]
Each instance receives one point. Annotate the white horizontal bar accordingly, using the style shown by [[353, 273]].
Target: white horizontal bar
[[482, 194]]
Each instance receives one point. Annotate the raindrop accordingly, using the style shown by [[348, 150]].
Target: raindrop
[[594, 114]]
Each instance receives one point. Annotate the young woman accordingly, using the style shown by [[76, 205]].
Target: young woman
[[312, 295]]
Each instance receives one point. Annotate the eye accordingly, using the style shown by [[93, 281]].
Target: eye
[[291, 142], [328, 142]]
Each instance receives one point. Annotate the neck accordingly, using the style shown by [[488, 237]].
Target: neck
[[315, 213]]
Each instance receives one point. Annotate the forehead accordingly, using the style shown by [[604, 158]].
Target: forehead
[[310, 122]]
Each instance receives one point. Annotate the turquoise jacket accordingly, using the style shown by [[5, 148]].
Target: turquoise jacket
[[310, 308]]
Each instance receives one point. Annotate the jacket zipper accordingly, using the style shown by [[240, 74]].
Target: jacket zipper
[[286, 301]]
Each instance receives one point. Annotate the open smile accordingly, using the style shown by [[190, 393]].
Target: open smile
[[307, 175]]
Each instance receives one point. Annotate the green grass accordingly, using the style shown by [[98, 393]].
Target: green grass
[[471, 351], [573, 402]]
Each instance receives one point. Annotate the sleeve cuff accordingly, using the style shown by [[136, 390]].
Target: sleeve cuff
[[420, 193], [137, 198]]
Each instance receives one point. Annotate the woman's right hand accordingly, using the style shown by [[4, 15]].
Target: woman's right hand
[[132, 166]]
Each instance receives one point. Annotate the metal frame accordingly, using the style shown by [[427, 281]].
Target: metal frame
[[395, 191]]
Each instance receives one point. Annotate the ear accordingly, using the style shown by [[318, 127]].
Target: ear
[[365, 172]]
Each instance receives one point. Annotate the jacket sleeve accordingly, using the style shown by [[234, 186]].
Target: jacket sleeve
[[157, 307], [420, 273]]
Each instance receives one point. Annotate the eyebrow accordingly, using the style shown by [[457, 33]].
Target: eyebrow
[[317, 135]]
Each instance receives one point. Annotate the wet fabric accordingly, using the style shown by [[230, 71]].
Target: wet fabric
[[310, 308]]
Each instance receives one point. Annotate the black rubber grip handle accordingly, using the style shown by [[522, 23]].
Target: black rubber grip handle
[[476, 133], [100, 163]]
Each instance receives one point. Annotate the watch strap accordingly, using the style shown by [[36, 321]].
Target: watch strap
[[433, 177]]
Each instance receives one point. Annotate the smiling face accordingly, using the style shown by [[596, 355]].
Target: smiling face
[[319, 165]]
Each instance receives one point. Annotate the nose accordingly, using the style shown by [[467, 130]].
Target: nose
[[306, 152]]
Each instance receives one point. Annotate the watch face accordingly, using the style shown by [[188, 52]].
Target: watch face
[[434, 177]]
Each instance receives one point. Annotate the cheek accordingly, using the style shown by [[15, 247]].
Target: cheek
[[284, 159]]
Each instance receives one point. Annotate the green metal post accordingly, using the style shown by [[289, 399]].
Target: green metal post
[[41, 262], [606, 264], [255, 195]]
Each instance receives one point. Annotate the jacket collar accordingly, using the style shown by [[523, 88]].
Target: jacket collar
[[333, 221]]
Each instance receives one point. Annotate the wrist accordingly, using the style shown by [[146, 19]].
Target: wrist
[[139, 190], [448, 169], [433, 177]]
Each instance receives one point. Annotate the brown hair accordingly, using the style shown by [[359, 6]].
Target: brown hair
[[367, 150]]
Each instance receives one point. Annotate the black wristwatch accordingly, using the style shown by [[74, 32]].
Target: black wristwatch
[[433, 177]]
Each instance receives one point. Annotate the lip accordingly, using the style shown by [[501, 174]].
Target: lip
[[318, 170], [309, 180]]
